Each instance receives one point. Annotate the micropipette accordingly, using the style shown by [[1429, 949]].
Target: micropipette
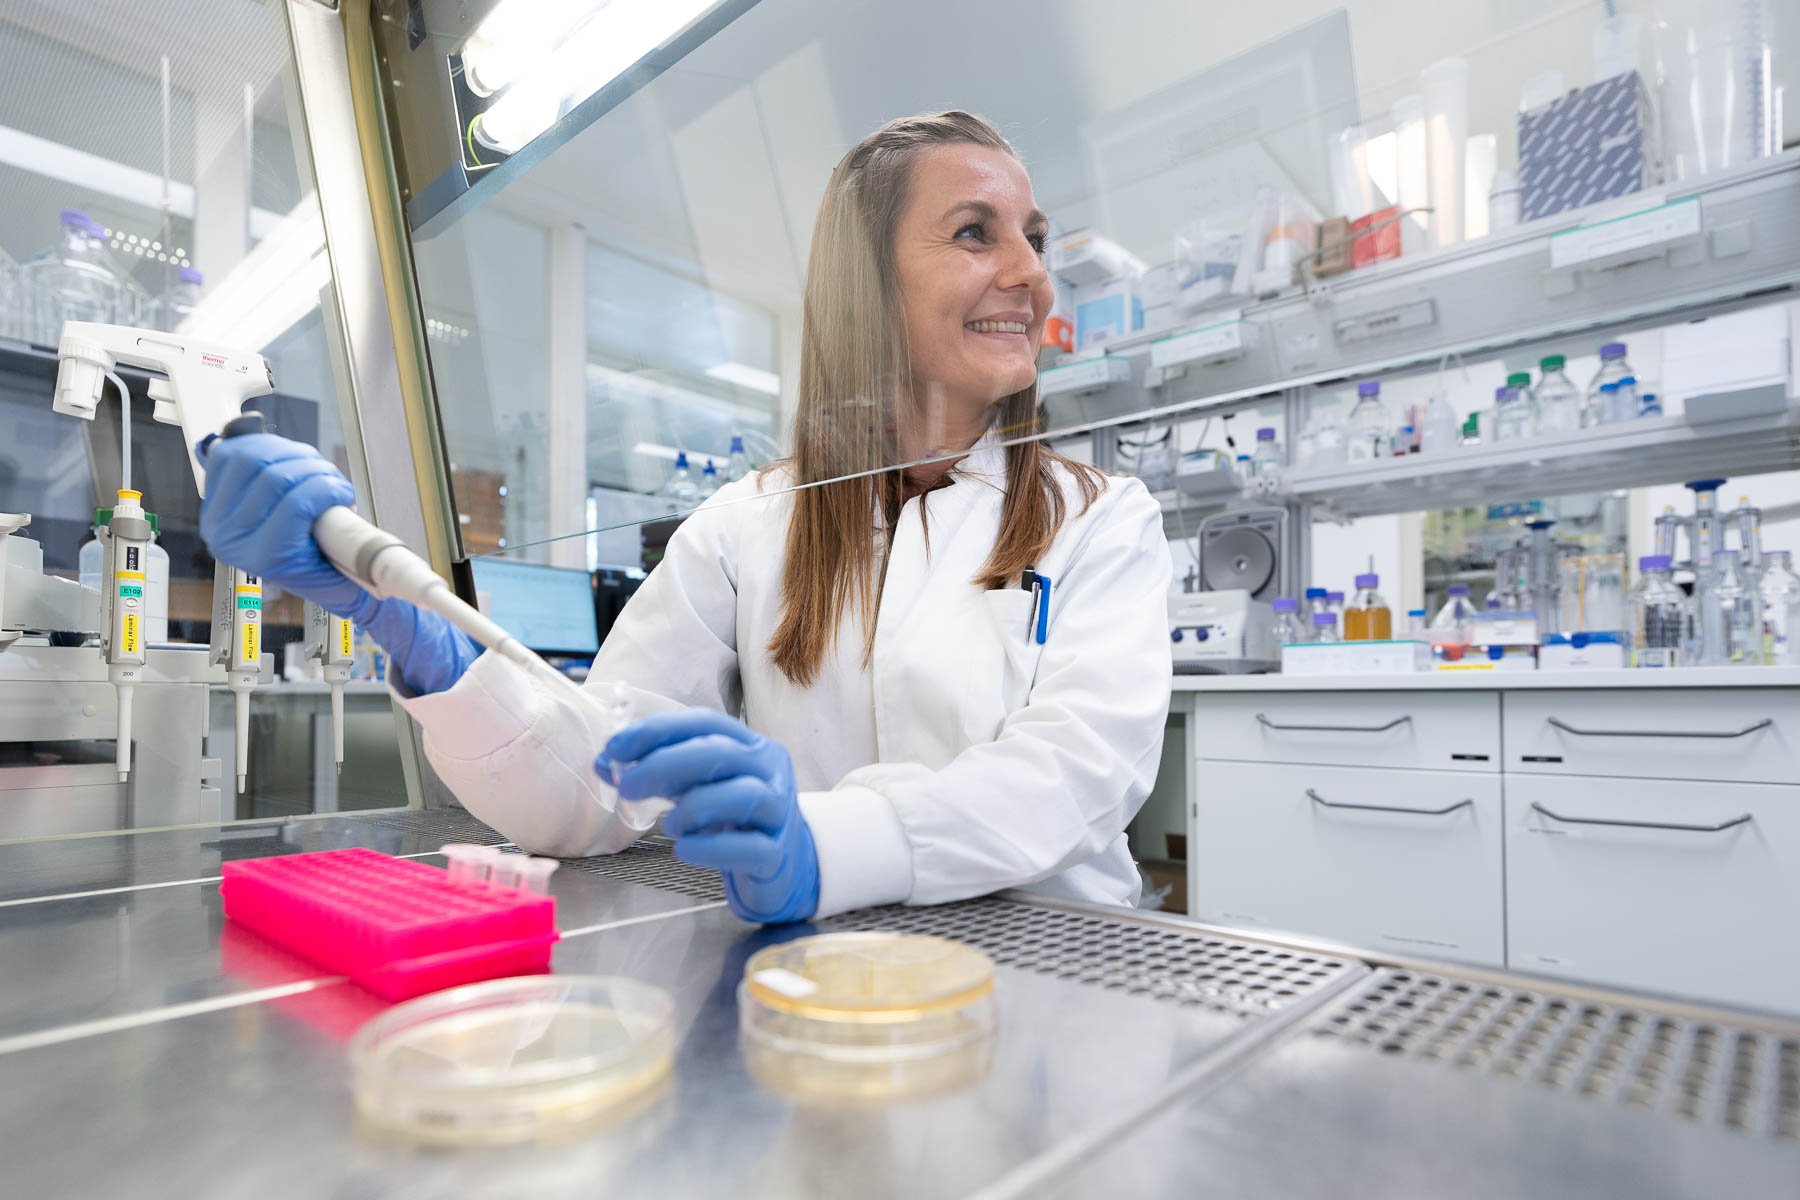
[[122, 643], [333, 643]]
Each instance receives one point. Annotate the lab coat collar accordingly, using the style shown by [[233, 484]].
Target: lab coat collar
[[986, 460]]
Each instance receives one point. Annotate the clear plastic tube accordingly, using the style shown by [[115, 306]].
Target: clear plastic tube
[[468, 863], [1446, 94], [534, 874]]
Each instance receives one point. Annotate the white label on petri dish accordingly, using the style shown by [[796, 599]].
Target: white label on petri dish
[[786, 982]]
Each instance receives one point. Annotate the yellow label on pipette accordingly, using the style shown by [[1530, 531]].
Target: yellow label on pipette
[[346, 638], [128, 635], [249, 639]]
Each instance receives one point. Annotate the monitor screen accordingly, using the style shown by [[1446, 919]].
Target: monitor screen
[[550, 609]]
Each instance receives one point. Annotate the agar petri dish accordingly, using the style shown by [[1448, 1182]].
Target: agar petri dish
[[513, 1060], [871, 1015]]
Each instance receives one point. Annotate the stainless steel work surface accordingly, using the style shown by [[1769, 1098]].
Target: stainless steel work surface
[[1427, 1085], [150, 1048]]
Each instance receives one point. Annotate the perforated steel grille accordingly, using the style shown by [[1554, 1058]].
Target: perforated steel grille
[[1709, 1072], [1148, 960], [652, 863], [452, 825]]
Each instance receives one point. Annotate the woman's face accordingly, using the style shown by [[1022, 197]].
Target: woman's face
[[968, 253]]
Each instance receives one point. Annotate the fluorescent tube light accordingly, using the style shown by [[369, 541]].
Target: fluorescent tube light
[[748, 377]]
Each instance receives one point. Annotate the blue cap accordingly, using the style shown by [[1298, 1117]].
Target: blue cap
[[1612, 350], [1631, 379], [1457, 589], [737, 443], [1654, 562], [1369, 387], [1285, 604], [1609, 387], [1315, 593], [1324, 618], [1335, 597], [190, 275], [1266, 434], [681, 460], [1415, 612], [710, 469]]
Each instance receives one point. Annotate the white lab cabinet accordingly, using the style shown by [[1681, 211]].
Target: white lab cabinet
[[1691, 889], [1625, 828], [1409, 861], [1750, 735]]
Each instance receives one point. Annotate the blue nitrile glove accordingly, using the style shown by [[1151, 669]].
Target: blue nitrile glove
[[735, 806], [263, 494]]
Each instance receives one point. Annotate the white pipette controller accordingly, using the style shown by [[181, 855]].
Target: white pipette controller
[[332, 640]]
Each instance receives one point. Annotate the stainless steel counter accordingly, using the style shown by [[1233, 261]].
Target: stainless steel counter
[[150, 1048]]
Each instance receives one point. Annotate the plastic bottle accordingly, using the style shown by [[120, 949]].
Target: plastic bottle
[[1288, 630], [184, 298], [1334, 603], [1325, 627], [75, 280], [1246, 469], [1457, 611], [738, 465], [709, 479], [1368, 619], [1625, 399], [1559, 403], [1370, 430], [1471, 430], [1267, 459], [1658, 615], [1515, 410], [1504, 200], [1415, 624], [1403, 441], [1327, 438], [1613, 368], [90, 562], [1731, 635], [1780, 589], [681, 488], [1439, 429]]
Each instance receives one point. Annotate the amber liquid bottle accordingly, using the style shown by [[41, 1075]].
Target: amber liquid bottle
[[1368, 619]]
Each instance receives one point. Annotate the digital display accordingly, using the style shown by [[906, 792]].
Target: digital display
[[550, 609]]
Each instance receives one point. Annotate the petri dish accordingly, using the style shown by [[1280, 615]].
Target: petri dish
[[513, 1060], [869, 1015]]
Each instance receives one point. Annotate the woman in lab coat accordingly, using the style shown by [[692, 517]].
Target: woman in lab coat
[[952, 676]]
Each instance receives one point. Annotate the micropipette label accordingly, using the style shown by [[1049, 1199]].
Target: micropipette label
[[346, 637]]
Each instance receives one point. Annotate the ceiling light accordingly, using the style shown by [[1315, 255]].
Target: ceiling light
[[747, 377]]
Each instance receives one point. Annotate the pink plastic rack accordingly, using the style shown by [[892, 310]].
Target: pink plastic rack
[[398, 928]]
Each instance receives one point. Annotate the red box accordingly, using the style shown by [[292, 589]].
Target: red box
[[1374, 245]]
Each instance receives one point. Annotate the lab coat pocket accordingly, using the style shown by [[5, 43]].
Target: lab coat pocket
[[1001, 661]]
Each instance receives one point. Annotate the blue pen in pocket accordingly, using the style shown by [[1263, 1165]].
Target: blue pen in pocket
[[1039, 586]]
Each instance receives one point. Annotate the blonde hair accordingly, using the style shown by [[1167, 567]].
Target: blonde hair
[[856, 394]]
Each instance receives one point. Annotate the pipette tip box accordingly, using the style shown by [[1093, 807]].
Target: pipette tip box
[[396, 927]]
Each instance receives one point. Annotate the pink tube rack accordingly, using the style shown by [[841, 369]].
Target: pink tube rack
[[398, 928]]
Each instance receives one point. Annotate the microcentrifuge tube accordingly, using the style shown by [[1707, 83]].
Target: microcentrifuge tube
[[468, 863], [503, 870], [534, 874]]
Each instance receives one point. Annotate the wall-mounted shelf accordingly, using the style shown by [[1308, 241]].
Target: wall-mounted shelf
[[1497, 294], [1632, 454]]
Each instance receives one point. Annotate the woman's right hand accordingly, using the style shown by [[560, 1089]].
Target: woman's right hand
[[263, 494]]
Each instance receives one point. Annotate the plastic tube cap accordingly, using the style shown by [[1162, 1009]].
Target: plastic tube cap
[[1335, 597], [1265, 434], [1613, 350], [1315, 593], [1325, 618], [1519, 379], [1654, 562], [1457, 589], [1285, 604], [1368, 581], [1551, 362], [1369, 387], [534, 874]]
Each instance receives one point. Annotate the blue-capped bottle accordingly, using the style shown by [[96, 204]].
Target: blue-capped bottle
[[737, 466], [681, 488]]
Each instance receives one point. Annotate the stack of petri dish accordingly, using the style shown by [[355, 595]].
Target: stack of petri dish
[[867, 1016], [514, 1060]]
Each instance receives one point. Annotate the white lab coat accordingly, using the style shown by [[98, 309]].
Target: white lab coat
[[966, 759]]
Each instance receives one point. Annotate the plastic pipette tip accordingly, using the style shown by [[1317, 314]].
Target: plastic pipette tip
[[240, 785]]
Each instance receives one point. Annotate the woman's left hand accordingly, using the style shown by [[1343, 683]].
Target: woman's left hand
[[736, 809]]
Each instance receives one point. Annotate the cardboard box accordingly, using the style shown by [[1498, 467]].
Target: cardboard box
[[1106, 311], [1371, 244], [1333, 248], [1593, 144]]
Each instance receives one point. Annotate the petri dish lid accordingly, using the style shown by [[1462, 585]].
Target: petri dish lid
[[868, 977], [512, 1059]]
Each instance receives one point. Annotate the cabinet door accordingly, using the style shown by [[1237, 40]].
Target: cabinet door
[[1748, 735], [1454, 731], [1666, 887], [1407, 861]]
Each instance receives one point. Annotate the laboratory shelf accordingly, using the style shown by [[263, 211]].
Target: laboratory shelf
[[1667, 254], [1496, 681], [1632, 454]]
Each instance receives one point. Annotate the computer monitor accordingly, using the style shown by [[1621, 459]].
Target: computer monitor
[[550, 609]]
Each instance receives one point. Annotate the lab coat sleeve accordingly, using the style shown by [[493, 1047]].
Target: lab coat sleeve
[[520, 755], [1069, 769]]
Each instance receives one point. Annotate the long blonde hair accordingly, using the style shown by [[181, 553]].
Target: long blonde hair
[[855, 389]]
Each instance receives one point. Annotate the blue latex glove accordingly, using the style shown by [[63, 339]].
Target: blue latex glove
[[736, 809], [263, 494]]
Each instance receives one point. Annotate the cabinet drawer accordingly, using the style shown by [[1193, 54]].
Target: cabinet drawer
[[1749, 735], [1453, 731], [1408, 861], [1697, 898]]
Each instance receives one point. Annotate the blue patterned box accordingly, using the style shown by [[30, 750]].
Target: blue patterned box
[[1592, 144]]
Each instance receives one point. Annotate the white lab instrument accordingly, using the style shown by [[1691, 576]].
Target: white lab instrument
[[205, 386], [332, 640], [1222, 633], [122, 608]]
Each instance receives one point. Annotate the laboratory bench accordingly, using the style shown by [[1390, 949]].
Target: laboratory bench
[[1576, 824], [149, 1047]]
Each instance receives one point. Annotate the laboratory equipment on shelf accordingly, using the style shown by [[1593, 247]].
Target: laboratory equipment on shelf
[[1593, 592], [1779, 589], [1325, 627], [709, 479], [1416, 624], [737, 464], [1151, 458], [1221, 633], [1266, 462], [331, 640], [77, 279], [1457, 612], [91, 562], [1668, 527], [122, 611], [1368, 619], [1558, 400], [1543, 573], [1731, 633], [1659, 615], [1515, 410], [1369, 432], [1706, 539], [681, 488], [1438, 427], [1288, 628], [1317, 601], [1334, 604], [1598, 409], [1625, 399]]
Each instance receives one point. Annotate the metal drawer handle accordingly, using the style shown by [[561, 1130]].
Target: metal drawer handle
[[1661, 733], [1268, 724], [1419, 812], [1723, 825]]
